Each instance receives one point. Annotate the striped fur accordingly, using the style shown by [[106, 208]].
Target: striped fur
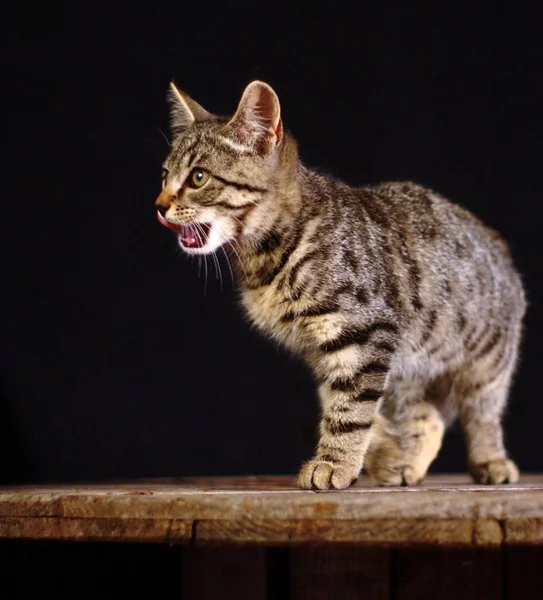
[[406, 306]]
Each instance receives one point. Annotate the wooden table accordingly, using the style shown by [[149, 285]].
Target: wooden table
[[262, 538]]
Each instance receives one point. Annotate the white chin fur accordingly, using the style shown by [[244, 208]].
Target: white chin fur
[[215, 240]]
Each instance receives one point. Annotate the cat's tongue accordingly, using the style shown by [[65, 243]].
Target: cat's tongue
[[194, 237], [172, 226], [191, 236]]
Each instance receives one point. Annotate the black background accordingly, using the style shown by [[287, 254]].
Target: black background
[[118, 361]]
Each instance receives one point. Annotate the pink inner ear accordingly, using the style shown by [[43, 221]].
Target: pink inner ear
[[258, 118], [266, 109], [258, 114], [279, 131]]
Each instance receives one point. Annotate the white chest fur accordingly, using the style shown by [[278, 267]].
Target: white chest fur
[[266, 307]]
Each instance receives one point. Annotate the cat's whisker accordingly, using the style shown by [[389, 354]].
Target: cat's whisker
[[251, 236], [213, 256], [240, 222], [217, 269], [164, 136], [258, 205], [220, 272], [201, 238], [205, 280], [229, 266], [230, 243]]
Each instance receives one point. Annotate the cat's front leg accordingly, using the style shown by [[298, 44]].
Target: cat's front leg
[[348, 413], [353, 380]]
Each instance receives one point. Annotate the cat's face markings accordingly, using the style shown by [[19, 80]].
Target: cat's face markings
[[219, 169]]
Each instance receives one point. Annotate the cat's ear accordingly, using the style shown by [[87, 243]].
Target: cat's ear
[[184, 111], [257, 122]]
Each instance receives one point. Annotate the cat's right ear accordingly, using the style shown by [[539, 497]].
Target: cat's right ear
[[184, 111], [257, 122]]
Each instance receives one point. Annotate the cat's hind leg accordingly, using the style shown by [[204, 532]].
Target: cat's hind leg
[[404, 445], [482, 393]]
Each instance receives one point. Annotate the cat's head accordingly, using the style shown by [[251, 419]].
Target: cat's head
[[220, 171]]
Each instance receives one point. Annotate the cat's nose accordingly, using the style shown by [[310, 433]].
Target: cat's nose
[[164, 201]]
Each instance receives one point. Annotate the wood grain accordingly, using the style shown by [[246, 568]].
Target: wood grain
[[389, 532], [103, 529], [446, 510], [344, 573], [448, 574], [224, 573], [524, 531]]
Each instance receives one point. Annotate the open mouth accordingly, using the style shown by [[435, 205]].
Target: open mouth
[[194, 235]]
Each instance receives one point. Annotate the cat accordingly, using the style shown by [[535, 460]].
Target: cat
[[407, 308]]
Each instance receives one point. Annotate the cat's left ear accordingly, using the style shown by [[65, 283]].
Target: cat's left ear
[[184, 110], [257, 122]]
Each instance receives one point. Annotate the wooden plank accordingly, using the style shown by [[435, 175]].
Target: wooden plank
[[448, 574], [524, 573], [446, 510], [127, 530], [524, 531], [340, 573], [224, 573], [390, 532], [192, 502]]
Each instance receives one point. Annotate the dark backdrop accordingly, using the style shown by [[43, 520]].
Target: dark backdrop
[[117, 362]]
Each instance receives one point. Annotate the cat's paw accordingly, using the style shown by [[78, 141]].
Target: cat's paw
[[388, 464], [401, 456], [325, 475], [501, 470]]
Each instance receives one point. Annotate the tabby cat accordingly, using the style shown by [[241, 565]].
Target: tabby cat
[[407, 308]]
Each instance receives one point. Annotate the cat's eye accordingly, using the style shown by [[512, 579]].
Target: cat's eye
[[197, 178]]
